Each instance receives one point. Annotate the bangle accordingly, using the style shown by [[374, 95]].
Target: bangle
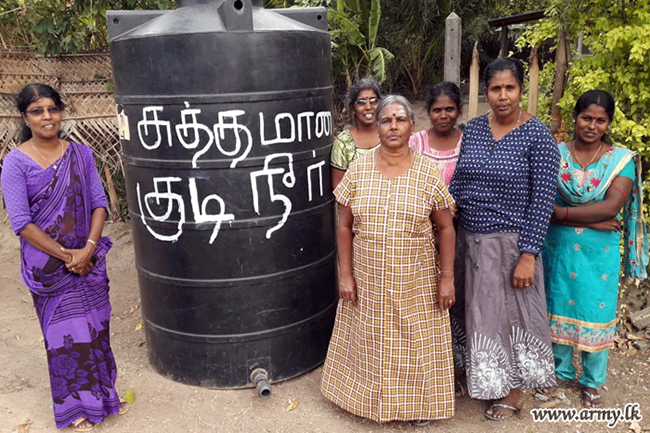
[[92, 242], [446, 272], [566, 214]]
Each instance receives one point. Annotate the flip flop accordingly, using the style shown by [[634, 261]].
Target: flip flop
[[590, 400], [421, 423], [548, 393], [545, 394], [492, 417], [76, 425], [460, 389], [124, 408]]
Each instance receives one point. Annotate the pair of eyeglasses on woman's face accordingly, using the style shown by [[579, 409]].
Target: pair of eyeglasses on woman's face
[[38, 111], [363, 102]]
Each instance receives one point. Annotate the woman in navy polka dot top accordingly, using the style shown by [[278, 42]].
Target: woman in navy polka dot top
[[504, 187]]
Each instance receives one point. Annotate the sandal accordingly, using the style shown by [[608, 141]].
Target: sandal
[[124, 407], [421, 423], [81, 425], [589, 399], [502, 406], [460, 388], [545, 394]]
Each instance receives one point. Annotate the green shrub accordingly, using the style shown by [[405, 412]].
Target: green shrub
[[618, 36]]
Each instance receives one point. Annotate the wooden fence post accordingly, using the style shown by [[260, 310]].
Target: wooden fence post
[[452, 48], [472, 110], [503, 52], [533, 91]]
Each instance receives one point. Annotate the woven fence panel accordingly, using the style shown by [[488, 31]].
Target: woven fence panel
[[8, 105], [19, 63], [90, 104], [12, 83], [83, 67], [94, 86], [89, 117]]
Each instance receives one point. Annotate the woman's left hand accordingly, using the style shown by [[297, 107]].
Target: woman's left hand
[[446, 292], [85, 270], [524, 274], [80, 259]]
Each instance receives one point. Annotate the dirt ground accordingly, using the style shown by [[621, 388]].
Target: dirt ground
[[165, 406]]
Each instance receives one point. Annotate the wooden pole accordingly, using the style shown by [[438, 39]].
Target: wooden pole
[[453, 33], [3, 149], [113, 200], [504, 42], [533, 91], [561, 64], [472, 110]]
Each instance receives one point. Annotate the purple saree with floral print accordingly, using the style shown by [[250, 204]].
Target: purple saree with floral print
[[73, 310]]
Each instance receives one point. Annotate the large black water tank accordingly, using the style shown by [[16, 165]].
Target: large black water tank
[[225, 112]]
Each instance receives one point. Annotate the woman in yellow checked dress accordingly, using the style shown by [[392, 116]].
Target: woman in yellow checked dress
[[390, 355]]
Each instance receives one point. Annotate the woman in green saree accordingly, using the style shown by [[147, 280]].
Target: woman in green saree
[[582, 255]]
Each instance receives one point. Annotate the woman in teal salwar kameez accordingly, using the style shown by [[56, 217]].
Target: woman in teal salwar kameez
[[581, 255]]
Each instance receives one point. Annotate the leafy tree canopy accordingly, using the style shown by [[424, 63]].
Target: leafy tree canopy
[[54, 27], [617, 35]]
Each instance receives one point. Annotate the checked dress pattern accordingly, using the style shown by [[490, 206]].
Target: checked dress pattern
[[390, 356]]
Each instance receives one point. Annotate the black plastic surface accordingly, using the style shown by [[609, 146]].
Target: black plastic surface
[[227, 130]]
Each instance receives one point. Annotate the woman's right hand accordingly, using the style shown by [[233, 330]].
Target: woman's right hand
[[446, 292], [612, 225], [348, 288], [80, 259]]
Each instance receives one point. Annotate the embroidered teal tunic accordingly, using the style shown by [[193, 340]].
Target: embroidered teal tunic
[[582, 265]]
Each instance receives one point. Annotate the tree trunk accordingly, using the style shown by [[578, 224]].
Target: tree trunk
[[561, 63], [533, 91]]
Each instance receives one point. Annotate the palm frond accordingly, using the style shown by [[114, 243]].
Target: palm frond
[[380, 57]]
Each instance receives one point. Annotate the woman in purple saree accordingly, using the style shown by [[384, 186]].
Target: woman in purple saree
[[56, 203]]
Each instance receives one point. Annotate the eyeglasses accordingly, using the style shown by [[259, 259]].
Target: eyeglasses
[[38, 111], [363, 102]]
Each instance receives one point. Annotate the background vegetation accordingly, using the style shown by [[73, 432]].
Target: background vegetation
[[54, 27], [402, 44], [617, 34]]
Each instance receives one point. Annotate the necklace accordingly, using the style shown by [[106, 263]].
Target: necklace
[[575, 156], [31, 142], [513, 128], [431, 136]]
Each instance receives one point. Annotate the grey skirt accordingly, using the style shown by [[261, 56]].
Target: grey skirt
[[507, 330]]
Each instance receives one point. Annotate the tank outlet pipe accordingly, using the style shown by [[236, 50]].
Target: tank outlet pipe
[[260, 379]]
